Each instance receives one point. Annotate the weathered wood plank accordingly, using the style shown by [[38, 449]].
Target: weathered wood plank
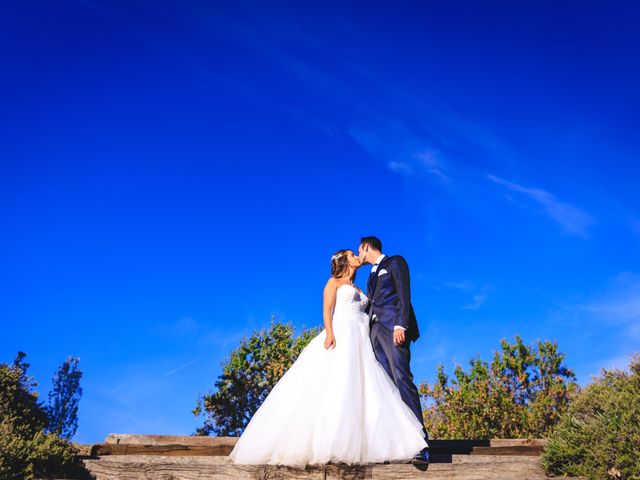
[[132, 467], [436, 458], [141, 439], [223, 450], [145, 467], [440, 458], [518, 442], [499, 446], [172, 450], [520, 450]]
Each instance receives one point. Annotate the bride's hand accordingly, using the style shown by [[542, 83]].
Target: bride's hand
[[330, 341]]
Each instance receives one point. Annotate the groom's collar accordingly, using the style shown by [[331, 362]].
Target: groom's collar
[[377, 262]]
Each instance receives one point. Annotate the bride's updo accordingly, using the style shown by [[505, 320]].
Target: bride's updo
[[340, 263]]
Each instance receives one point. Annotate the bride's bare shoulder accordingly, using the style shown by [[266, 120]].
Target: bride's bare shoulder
[[330, 291], [333, 281], [332, 284]]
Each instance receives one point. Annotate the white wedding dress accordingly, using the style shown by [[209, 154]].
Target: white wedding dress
[[336, 405]]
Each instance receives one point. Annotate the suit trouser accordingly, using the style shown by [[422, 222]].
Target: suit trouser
[[395, 360]]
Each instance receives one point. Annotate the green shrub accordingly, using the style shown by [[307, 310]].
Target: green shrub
[[521, 393], [599, 436], [26, 449], [248, 376]]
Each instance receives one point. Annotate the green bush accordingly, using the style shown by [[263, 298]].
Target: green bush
[[248, 376], [521, 393], [26, 449], [599, 436]]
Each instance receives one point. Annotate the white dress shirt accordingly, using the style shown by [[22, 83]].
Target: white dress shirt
[[374, 268]]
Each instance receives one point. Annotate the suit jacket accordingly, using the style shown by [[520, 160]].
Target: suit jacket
[[389, 295]]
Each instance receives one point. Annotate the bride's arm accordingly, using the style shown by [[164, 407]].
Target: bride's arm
[[328, 304]]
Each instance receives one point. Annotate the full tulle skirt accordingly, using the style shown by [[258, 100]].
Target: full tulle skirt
[[336, 405]]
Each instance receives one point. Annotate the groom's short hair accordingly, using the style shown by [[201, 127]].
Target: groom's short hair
[[373, 242]]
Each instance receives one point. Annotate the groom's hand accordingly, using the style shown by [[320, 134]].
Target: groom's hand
[[398, 336]]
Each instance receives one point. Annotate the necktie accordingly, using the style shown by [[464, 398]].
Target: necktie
[[371, 277]]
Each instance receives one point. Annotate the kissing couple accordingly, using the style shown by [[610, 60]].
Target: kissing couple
[[349, 397]]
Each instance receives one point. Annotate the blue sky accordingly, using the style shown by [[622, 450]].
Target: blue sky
[[175, 173]]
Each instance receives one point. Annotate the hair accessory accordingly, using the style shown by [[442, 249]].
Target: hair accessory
[[336, 256]]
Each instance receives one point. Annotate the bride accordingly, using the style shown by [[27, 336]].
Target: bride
[[336, 403]]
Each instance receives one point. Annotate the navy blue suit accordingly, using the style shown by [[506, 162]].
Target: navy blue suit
[[389, 293]]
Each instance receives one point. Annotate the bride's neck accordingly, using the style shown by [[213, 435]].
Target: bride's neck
[[350, 275]]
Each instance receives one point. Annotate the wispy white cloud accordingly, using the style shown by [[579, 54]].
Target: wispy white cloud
[[149, 376], [185, 326], [620, 306], [142, 379], [571, 218], [188, 329], [399, 167], [436, 349], [478, 300], [463, 285], [433, 165], [618, 362], [402, 152], [479, 294], [183, 366], [619, 359]]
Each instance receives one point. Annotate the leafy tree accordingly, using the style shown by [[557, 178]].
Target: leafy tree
[[64, 398], [26, 449], [248, 376], [521, 393], [599, 435]]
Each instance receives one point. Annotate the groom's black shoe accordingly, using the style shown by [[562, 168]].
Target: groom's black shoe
[[421, 458]]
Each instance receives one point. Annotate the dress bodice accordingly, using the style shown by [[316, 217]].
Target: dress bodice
[[349, 299]]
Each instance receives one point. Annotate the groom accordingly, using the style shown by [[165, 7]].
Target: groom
[[393, 323]]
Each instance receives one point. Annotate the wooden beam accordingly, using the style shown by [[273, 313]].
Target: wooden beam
[[517, 442], [517, 450], [172, 450], [134, 467], [524, 446], [142, 439]]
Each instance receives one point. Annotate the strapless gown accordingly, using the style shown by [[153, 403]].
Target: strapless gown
[[337, 405]]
